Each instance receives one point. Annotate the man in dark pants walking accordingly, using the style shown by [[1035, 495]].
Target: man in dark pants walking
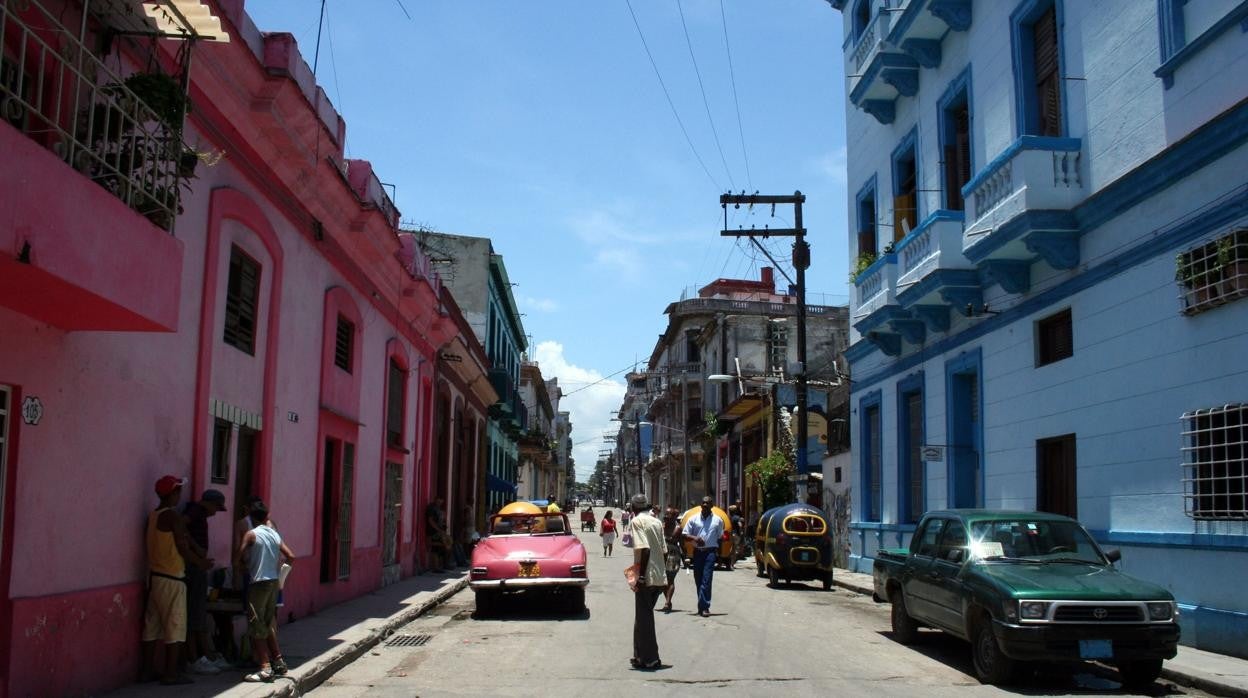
[[704, 530], [649, 549]]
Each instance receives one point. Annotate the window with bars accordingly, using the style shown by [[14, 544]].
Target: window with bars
[[1213, 273], [221, 433], [394, 405], [912, 474], [242, 291], [1215, 463], [344, 344], [1054, 338]]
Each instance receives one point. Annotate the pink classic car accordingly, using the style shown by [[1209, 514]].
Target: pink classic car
[[528, 549]]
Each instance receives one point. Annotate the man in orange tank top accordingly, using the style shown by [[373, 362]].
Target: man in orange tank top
[[168, 551]]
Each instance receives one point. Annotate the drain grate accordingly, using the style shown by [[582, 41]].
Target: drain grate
[[408, 640]]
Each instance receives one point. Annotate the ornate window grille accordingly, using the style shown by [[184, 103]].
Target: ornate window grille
[[1215, 463]]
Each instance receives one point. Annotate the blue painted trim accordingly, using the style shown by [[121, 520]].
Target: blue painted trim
[[940, 214], [936, 317], [1230, 209], [868, 189], [1060, 248], [878, 63], [1170, 27], [887, 342], [926, 52], [913, 330], [858, 350], [1020, 144], [871, 399], [969, 362], [906, 387], [956, 14], [904, 80], [879, 317], [1184, 53], [838, 5], [956, 93], [882, 110], [909, 144], [1012, 275], [1023, 224], [857, 26], [937, 280], [880, 526], [902, 23], [966, 300], [1151, 539], [1026, 110]]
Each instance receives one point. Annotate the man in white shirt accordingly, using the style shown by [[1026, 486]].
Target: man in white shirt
[[649, 549], [704, 530]]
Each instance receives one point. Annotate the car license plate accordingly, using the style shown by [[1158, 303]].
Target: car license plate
[[1096, 649], [805, 555], [530, 569]]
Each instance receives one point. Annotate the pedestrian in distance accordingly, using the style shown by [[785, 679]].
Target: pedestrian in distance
[[202, 656], [672, 560], [738, 530], [647, 579], [704, 530], [439, 541], [552, 507], [607, 530], [263, 549], [241, 526], [168, 552]]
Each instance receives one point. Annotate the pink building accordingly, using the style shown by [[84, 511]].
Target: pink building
[[265, 331]]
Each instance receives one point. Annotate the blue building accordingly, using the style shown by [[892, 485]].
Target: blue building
[[1049, 203]]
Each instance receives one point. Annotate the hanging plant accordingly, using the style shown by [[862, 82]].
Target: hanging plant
[[770, 474], [861, 264]]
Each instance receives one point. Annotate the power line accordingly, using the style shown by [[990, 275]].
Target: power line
[[601, 380], [669, 96], [732, 74], [706, 104]]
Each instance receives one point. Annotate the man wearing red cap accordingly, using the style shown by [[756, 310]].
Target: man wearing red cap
[[168, 549]]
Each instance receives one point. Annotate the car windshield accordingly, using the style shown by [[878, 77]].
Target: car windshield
[[525, 524], [1033, 540]]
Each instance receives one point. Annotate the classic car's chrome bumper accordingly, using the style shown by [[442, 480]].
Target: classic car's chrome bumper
[[528, 582]]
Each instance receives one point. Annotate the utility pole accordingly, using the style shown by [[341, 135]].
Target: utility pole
[[801, 260], [686, 487]]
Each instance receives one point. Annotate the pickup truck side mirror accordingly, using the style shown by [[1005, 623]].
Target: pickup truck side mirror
[[955, 555], [1113, 554]]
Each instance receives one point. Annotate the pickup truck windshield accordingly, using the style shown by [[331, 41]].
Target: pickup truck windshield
[[1033, 540]]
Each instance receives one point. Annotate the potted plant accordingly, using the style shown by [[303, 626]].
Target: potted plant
[[1198, 271], [864, 260], [1233, 263]]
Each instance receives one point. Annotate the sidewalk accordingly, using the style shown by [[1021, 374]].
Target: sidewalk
[[1213, 673], [317, 646]]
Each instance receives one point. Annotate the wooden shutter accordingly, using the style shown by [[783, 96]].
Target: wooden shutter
[[343, 340], [1056, 338], [1048, 81], [394, 406], [241, 293], [957, 154], [904, 210]]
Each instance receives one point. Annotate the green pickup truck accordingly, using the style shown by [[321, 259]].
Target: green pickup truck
[[1025, 586]]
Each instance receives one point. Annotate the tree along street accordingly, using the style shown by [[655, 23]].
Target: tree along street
[[794, 641]]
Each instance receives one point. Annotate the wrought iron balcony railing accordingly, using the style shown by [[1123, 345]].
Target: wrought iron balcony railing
[[123, 133]]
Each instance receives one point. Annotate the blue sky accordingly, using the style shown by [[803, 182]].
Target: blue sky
[[543, 126]]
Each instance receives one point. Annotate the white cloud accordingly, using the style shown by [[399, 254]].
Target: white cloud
[[544, 305], [833, 165], [590, 407]]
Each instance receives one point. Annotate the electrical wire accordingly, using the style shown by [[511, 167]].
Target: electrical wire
[[601, 380], [702, 88], [333, 65], [668, 95], [732, 74]]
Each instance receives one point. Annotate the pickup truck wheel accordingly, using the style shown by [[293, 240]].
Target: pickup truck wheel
[[905, 630], [1139, 674], [991, 665], [773, 578]]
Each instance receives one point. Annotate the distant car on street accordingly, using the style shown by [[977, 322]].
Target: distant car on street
[[1026, 587], [528, 550], [598, 503]]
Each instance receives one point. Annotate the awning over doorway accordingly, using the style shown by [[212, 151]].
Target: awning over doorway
[[495, 483]]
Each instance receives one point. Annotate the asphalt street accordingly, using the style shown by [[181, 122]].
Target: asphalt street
[[794, 641]]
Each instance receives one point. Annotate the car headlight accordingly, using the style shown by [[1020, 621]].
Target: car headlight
[[1160, 610], [1033, 610]]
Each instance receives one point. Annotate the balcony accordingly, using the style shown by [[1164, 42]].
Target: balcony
[[919, 27], [1019, 209], [877, 285], [934, 275], [92, 181], [878, 72]]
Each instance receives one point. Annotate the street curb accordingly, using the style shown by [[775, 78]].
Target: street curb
[[312, 675], [1198, 682]]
